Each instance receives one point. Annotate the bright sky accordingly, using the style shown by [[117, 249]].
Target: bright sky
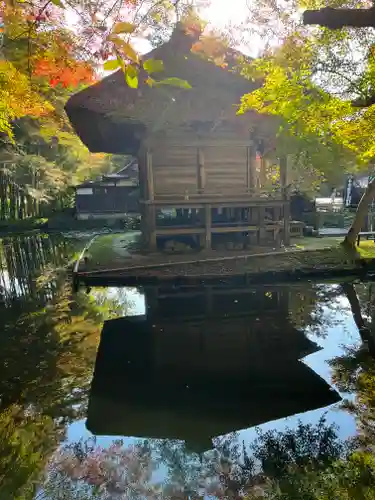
[[221, 12]]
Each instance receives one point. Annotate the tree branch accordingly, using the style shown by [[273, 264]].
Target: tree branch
[[364, 103], [338, 18]]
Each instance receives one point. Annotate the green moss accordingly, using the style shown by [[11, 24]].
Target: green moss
[[109, 251]]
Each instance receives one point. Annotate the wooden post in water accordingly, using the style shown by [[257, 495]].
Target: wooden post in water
[[207, 225]]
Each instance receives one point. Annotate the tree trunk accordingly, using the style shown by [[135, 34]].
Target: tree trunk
[[338, 18], [360, 215], [363, 329]]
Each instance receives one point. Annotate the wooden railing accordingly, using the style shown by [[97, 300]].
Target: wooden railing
[[254, 195]]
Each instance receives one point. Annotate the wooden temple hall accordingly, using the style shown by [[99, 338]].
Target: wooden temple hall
[[208, 177]]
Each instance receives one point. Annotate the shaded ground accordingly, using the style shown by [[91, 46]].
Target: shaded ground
[[114, 251]]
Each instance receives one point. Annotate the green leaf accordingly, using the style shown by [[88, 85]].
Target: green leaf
[[123, 27], [153, 65], [125, 47], [175, 82], [58, 3], [131, 76], [111, 64]]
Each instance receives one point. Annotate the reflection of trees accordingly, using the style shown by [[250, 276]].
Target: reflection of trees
[[354, 371], [363, 326], [308, 462], [314, 307], [27, 439], [24, 258], [84, 471], [48, 350], [49, 343]]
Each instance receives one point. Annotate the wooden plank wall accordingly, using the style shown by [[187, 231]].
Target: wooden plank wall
[[175, 169], [193, 169], [225, 168]]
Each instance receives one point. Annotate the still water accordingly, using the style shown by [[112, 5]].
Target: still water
[[207, 392]]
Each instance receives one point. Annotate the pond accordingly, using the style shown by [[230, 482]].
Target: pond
[[169, 392]]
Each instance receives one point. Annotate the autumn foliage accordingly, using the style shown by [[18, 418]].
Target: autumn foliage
[[68, 74]]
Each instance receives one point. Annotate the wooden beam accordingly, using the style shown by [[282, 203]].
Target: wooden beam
[[167, 231], [194, 203], [234, 229]]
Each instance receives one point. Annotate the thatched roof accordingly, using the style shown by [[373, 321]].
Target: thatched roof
[[112, 117]]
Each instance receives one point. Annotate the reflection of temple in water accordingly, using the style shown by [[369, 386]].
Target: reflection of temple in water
[[202, 363]]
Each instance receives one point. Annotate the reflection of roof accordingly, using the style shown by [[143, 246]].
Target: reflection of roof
[[138, 390], [237, 316]]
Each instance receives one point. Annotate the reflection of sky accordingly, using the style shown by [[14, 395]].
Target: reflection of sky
[[343, 332], [134, 305], [8, 284], [131, 298]]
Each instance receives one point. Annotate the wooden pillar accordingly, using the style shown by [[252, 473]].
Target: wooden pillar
[[277, 237], [316, 219], [250, 167], [148, 222], [263, 171], [262, 223], [150, 176], [207, 225], [276, 214], [286, 223], [151, 227], [285, 195], [283, 172], [201, 175]]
